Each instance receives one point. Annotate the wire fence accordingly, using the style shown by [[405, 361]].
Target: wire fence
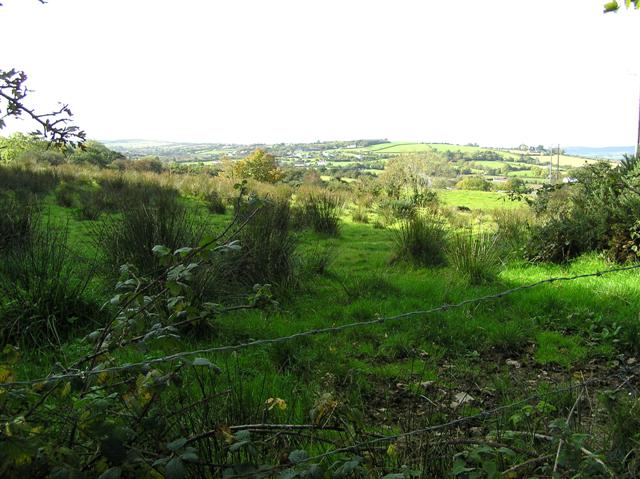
[[312, 332], [485, 414]]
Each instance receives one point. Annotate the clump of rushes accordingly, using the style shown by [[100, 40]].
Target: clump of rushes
[[422, 240]]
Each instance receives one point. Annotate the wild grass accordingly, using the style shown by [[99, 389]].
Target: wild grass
[[475, 255], [131, 236], [45, 291], [422, 240], [320, 210]]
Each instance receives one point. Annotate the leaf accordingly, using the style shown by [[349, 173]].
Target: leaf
[[183, 251], [111, 473], [160, 251], [298, 456], [175, 469], [177, 444], [288, 474], [190, 456], [611, 6]]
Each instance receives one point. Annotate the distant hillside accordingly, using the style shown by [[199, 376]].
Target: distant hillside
[[606, 152]]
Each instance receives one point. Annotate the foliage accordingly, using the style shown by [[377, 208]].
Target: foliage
[[131, 237], [54, 126], [94, 153], [259, 166], [18, 221], [474, 183], [320, 210], [44, 290], [265, 254], [422, 240], [597, 213], [613, 5], [475, 256]]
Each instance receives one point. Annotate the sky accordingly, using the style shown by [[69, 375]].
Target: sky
[[497, 73]]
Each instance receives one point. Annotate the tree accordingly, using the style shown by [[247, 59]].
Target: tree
[[53, 126], [95, 153], [260, 166]]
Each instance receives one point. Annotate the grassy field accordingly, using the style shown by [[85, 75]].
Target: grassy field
[[323, 393]]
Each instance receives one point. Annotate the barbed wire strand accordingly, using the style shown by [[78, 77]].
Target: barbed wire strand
[[311, 332], [454, 422]]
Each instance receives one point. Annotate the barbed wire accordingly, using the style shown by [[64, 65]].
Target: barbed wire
[[446, 425], [311, 332]]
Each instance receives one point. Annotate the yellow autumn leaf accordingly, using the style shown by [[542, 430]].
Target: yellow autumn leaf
[[276, 402], [5, 374], [392, 450]]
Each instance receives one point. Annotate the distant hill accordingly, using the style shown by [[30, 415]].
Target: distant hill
[[605, 152]]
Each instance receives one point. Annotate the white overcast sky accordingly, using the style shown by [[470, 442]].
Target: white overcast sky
[[494, 72]]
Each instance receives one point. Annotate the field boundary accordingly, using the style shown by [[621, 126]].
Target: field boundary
[[311, 332]]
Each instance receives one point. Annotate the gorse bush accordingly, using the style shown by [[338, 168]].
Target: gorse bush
[[476, 256], [320, 210], [45, 291], [422, 240]]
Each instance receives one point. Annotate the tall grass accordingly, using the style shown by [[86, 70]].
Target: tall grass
[[267, 254], [44, 291], [475, 255], [131, 236], [18, 221], [422, 240], [321, 211]]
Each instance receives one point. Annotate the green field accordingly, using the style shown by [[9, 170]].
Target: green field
[[362, 380]]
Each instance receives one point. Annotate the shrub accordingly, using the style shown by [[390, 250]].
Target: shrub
[[130, 238], [321, 211], [475, 256], [598, 212], [422, 240], [45, 291], [474, 183]]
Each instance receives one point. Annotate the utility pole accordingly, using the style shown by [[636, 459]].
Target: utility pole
[[558, 165], [638, 141]]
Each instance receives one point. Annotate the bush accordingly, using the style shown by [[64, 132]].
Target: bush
[[474, 183], [598, 212], [130, 238], [475, 256], [422, 240], [321, 211], [45, 291]]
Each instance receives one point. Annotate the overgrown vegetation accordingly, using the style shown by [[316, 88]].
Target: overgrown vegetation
[[542, 379]]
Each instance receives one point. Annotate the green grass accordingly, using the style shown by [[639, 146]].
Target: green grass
[[383, 367], [476, 200]]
